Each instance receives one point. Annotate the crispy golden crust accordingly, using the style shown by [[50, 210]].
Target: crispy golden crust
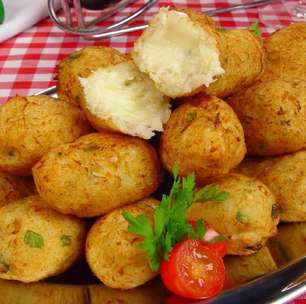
[[13, 188], [81, 64], [31, 126], [203, 136], [241, 269], [37, 242], [272, 114], [287, 180], [100, 124], [243, 59], [198, 17], [245, 217], [286, 53], [103, 171], [113, 253]]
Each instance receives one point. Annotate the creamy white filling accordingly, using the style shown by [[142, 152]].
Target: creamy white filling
[[128, 97], [178, 54]]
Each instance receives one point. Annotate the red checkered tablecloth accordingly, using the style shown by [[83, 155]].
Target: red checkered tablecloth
[[27, 61]]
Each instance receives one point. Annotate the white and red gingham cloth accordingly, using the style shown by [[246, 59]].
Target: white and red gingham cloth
[[27, 61]]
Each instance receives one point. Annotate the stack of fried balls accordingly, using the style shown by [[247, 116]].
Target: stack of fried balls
[[227, 106]]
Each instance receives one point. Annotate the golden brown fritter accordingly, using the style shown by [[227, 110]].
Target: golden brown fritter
[[183, 53], [243, 60], [246, 217], [113, 253], [203, 136], [31, 126], [287, 180], [37, 242], [123, 99], [272, 114], [97, 173], [81, 64], [286, 53]]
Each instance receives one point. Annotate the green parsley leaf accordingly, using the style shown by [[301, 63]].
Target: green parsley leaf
[[2, 12], [170, 218], [254, 27], [90, 148], [191, 116], [199, 231], [210, 193], [65, 240], [276, 210], [74, 56], [33, 239], [140, 225], [218, 239], [240, 217], [221, 28], [4, 266], [175, 172]]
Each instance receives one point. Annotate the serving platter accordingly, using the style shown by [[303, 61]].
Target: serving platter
[[277, 287], [280, 286]]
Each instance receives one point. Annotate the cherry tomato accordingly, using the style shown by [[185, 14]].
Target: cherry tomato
[[193, 270], [210, 234]]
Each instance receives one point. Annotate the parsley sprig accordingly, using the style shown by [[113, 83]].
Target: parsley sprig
[[254, 27], [170, 218]]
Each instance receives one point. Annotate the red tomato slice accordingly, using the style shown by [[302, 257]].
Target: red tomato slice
[[194, 270], [210, 234]]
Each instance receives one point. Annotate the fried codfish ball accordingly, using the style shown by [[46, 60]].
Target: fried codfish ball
[[183, 53], [286, 53], [246, 217], [241, 269], [113, 254], [81, 64], [203, 136], [243, 60], [121, 98], [31, 126], [272, 114], [97, 173], [113, 93], [287, 180], [289, 243], [253, 167], [36, 242]]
